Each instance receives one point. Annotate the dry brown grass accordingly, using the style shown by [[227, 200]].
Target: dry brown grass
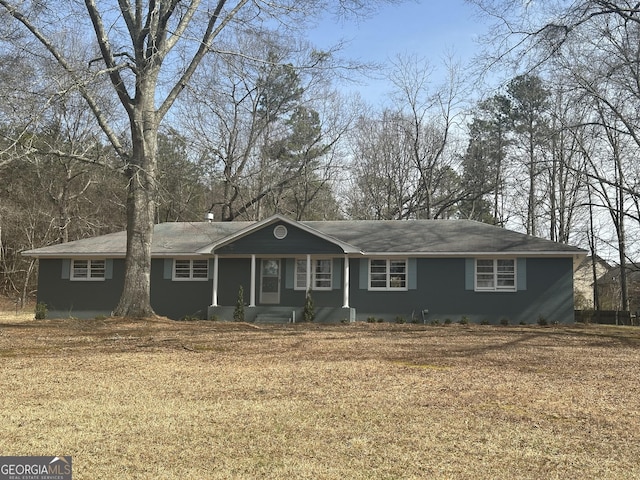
[[176, 400], [11, 311]]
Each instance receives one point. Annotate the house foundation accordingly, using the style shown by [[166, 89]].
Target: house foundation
[[283, 314]]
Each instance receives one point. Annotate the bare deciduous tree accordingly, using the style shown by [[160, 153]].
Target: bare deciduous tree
[[405, 160], [267, 124], [148, 51], [592, 47]]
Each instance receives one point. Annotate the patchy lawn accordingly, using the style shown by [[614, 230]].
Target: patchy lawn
[[159, 399]]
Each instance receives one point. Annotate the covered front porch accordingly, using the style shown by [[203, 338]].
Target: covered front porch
[[274, 287]]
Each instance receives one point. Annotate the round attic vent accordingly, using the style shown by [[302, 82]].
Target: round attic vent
[[280, 232]]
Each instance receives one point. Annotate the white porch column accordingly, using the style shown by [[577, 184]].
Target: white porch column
[[252, 295], [345, 293], [214, 296], [308, 273]]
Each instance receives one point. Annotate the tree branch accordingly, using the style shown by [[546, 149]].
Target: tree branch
[[210, 34], [107, 55], [62, 61]]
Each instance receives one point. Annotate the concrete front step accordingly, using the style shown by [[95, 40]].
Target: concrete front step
[[283, 314], [273, 318]]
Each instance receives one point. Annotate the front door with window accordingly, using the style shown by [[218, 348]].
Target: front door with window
[[270, 281]]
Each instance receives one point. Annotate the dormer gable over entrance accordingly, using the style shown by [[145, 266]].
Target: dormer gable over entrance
[[278, 235]]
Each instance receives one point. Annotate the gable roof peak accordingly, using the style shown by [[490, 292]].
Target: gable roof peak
[[273, 219]]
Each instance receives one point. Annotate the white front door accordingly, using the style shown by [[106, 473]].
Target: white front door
[[270, 281]]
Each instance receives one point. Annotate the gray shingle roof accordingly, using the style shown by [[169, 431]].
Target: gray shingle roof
[[436, 236], [425, 237]]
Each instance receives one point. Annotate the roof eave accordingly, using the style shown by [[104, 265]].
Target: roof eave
[[523, 253], [30, 253]]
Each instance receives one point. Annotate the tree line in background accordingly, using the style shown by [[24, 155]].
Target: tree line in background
[[552, 153]]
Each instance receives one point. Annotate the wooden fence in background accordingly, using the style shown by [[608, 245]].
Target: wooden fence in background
[[606, 317]]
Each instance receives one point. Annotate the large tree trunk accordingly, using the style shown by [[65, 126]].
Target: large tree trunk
[[136, 296]]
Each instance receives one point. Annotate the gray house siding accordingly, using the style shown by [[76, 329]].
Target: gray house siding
[[439, 285], [321, 298], [233, 272], [80, 299], [177, 299], [548, 294], [297, 242], [388, 305], [442, 290], [88, 299]]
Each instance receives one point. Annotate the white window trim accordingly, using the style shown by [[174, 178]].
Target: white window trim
[[388, 287], [88, 278], [190, 278], [495, 287], [314, 272]]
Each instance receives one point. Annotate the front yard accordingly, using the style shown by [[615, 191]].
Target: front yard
[[195, 400]]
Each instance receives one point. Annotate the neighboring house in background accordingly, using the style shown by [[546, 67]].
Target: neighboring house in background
[[583, 280], [609, 288], [417, 270]]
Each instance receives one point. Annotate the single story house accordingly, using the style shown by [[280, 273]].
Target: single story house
[[410, 270]]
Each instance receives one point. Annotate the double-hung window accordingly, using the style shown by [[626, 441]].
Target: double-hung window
[[387, 274], [86, 269], [190, 269], [496, 275], [321, 273]]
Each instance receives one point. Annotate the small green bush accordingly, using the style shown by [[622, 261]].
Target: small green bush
[[400, 319], [371, 319], [464, 320], [542, 321], [308, 313], [238, 312], [41, 311], [484, 322], [504, 322]]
